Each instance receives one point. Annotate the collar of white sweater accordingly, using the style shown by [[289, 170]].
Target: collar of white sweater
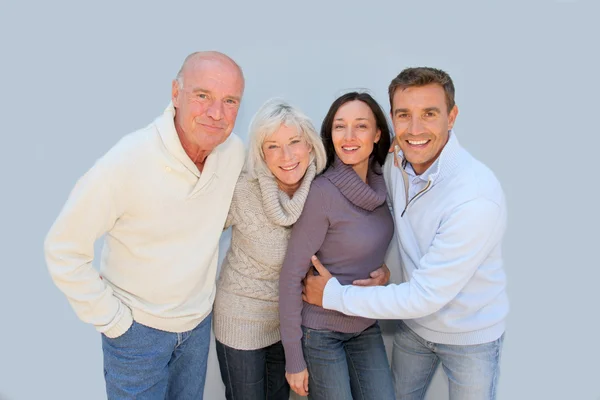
[[279, 207], [166, 128]]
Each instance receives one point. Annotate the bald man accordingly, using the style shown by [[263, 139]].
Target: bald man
[[160, 197]]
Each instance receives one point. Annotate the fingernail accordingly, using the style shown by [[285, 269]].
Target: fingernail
[[313, 257]]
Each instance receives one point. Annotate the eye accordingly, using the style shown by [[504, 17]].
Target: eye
[[231, 102], [429, 114], [338, 126], [271, 146], [402, 115], [362, 126], [295, 141], [202, 96]]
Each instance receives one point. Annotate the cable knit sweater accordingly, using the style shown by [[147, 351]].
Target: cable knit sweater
[[246, 310]]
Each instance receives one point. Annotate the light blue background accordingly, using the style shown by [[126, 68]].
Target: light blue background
[[77, 76]]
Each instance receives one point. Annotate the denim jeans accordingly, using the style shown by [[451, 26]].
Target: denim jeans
[[472, 370], [347, 366], [149, 364], [253, 374]]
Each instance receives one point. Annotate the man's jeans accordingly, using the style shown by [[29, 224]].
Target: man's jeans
[[472, 370], [253, 374], [148, 364], [347, 366]]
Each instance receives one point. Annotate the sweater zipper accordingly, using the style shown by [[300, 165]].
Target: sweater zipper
[[414, 197], [405, 179]]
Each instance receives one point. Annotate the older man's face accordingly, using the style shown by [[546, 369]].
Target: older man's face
[[208, 103]]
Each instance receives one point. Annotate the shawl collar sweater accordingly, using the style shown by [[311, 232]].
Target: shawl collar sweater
[[161, 220]]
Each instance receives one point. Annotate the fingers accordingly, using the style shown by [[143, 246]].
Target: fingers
[[377, 273], [396, 150], [306, 382], [365, 282], [319, 267], [298, 382]]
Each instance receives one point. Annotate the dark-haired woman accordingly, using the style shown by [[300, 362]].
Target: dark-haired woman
[[347, 224]]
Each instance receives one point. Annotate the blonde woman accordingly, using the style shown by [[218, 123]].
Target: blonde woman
[[285, 154]]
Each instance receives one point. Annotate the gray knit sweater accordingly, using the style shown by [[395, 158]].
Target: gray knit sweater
[[246, 309]]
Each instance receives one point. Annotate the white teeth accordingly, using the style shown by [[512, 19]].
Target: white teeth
[[417, 142], [351, 148], [289, 168]]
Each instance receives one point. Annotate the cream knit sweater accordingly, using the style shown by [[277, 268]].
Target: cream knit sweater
[[162, 221], [246, 310]]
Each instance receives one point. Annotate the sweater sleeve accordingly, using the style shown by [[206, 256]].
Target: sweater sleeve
[[307, 236], [462, 242], [89, 212], [233, 207]]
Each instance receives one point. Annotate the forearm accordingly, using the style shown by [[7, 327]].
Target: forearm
[[462, 243], [290, 317], [69, 249], [379, 302]]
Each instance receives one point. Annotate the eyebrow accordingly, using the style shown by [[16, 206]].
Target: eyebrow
[[274, 141], [356, 119], [199, 89], [406, 110], [400, 110]]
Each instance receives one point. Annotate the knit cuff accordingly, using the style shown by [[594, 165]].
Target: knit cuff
[[294, 358], [120, 324], [332, 295]]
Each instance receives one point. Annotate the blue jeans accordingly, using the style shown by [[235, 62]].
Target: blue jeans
[[147, 364], [472, 370], [253, 374], [347, 366]]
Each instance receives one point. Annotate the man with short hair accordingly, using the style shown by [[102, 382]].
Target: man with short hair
[[450, 218], [161, 195]]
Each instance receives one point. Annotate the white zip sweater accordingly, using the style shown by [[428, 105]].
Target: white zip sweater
[[449, 239], [162, 219]]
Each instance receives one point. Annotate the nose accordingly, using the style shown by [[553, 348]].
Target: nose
[[286, 152], [215, 110], [349, 133], [415, 126]]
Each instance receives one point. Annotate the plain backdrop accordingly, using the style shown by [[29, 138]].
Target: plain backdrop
[[77, 76]]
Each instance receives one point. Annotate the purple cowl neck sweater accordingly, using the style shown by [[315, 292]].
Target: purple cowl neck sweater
[[348, 225]]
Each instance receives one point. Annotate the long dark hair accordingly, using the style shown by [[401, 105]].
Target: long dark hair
[[380, 149]]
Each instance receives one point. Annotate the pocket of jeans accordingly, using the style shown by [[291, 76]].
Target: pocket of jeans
[[123, 335]]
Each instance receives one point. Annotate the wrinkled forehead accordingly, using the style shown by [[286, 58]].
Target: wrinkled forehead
[[214, 72]]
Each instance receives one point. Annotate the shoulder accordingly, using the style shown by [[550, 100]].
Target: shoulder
[[246, 190], [323, 186], [233, 147], [481, 180], [129, 152], [322, 194]]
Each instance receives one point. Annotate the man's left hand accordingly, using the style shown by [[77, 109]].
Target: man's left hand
[[379, 277], [314, 285]]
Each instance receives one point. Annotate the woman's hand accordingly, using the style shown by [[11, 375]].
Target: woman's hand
[[298, 382]]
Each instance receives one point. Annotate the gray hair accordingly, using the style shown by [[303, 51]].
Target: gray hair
[[267, 120]]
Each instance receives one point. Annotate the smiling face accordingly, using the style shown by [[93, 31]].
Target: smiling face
[[421, 122], [354, 132], [207, 103], [287, 155]]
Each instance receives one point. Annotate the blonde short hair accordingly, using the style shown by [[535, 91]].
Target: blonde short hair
[[267, 120]]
